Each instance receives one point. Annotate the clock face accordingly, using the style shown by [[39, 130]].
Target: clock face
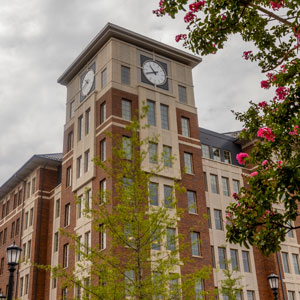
[[154, 72], [87, 82]]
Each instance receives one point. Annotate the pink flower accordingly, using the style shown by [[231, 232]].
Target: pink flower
[[295, 131], [284, 68], [180, 37], [223, 18], [263, 104], [264, 163], [266, 133], [194, 7], [246, 54], [282, 92], [239, 204], [265, 84], [228, 215], [253, 174], [189, 17], [235, 196], [276, 4], [279, 164], [268, 212], [241, 156]]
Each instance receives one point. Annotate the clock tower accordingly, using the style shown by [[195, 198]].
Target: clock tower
[[115, 75]]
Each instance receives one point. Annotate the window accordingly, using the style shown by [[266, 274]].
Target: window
[[29, 249], [296, 263], [57, 208], [205, 182], [236, 186], [67, 214], [69, 177], [26, 284], [26, 220], [208, 217], [239, 296], [2, 266], [102, 112], [125, 75], [205, 151], [164, 113], [103, 150], [185, 127], [167, 154], [56, 242], [78, 248], [291, 295], [72, 109], [126, 109], [216, 154], [225, 185], [79, 166], [153, 193], [234, 259], [250, 295], [70, 141], [174, 288], [152, 153], [285, 261], [102, 191], [64, 293], [77, 291], [79, 207], [8, 204], [102, 237], [86, 286], [199, 289], [3, 211], [33, 186], [27, 192], [222, 258], [155, 241], [1, 238], [87, 237], [290, 232], [168, 201], [192, 203], [24, 251], [218, 219], [126, 144], [21, 285], [246, 262], [87, 121], [188, 162], [66, 255], [4, 236], [31, 217], [151, 113], [212, 250], [17, 228], [15, 201], [195, 239], [103, 78], [80, 120], [129, 282], [86, 160], [171, 239], [182, 93], [20, 197], [12, 232], [214, 185], [227, 157], [88, 199]]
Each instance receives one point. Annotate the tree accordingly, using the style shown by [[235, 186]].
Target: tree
[[141, 257], [265, 210]]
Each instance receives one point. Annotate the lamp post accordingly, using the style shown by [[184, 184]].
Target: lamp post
[[2, 296], [12, 255], [273, 282]]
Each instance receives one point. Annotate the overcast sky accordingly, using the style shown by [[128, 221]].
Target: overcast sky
[[39, 39]]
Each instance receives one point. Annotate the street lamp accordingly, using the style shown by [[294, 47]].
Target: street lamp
[[2, 296], [273, 281], [12, 255]]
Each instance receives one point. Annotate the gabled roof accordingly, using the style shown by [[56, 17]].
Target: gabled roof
[[52, 159], [113, 31]]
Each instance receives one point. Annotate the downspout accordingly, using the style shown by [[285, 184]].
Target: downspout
[[280, 276], [38, 228], [20, 235]]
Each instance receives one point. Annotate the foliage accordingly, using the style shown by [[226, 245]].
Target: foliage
[[265, 209], [140, 260]]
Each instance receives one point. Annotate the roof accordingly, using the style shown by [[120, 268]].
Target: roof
[[53, 160], [113, 31], [217, 135]]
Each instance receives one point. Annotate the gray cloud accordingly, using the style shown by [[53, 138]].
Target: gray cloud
[[39, 39]]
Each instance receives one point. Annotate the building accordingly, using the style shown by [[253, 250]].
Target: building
[[105, 86]]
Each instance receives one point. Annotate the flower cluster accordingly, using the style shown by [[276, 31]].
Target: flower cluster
[[295, 131], [265, 84], [246, 54], [189, 17], [282, 92], [263, 104], [180, 37], [253, 174], [271, 77], [266, 133], [235, 196], [159, 12], [276, 4], [194, 7], [223, 18], [264, 162], [241, 157]]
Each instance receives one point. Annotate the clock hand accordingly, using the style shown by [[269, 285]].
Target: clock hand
[[151, 73], [155, 72]]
